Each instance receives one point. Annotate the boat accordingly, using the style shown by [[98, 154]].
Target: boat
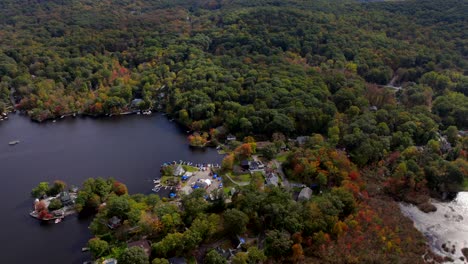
[[156, 181], [11, 143], [58, 220]]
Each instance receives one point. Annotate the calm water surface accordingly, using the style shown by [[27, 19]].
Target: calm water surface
[[130, 149]]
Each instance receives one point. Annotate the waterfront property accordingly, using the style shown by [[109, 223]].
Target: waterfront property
[[55, 208], [184, 177]]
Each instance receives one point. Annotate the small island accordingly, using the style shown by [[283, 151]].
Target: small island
[[53, 203]]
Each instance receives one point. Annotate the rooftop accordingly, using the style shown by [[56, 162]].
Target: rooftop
[[144, 244]]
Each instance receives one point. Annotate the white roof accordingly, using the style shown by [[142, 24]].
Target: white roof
[[208, 181]]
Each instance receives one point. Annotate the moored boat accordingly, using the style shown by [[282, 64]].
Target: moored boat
[[14, 142]]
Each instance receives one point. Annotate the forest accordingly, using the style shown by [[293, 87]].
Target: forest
[[374, 77], [380, 87]]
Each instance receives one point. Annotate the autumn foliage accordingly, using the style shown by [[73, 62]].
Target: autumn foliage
[[198, 140], [119, 188]]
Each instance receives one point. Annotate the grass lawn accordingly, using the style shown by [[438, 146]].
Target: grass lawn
[[242, 177], [165, 178], [189, 168], [282, 157]]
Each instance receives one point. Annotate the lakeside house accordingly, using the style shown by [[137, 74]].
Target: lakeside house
[[110, 261], [135, 102], [66, 199], [179, 170]]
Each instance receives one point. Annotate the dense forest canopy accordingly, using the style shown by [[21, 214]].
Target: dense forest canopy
[[254, 67], [379, 86]]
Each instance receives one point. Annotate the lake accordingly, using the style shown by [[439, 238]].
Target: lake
[[127, 148], [448, 225]]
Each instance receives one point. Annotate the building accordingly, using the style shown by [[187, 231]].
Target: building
[[66, 199], [272, 179], [114, 222], [302, 140], [144, 244], [245, 164], [256, 166], [179, 170], [231, 137], [136, 102]]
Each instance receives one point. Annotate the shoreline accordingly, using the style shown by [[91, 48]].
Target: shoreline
[[444, 228]]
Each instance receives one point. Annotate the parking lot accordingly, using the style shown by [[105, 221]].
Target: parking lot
[[201, 179]]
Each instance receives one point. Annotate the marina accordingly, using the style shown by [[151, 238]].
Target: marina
[[185, 177]]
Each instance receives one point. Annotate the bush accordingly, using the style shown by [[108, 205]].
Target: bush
[[55, 204], [40, 190], [57, 187], [134, 255]]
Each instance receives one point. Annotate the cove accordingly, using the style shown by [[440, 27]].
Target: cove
[[130, 149]]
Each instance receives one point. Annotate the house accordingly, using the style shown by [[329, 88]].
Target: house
[[66, 199], [305, 194], [256, 166], [245, 164], [445, 146], [114, 222], [135, 102], [227, 254], [373, 108], [272, 179], [302, 140], [231, 137], [144, 244], [179, 170]]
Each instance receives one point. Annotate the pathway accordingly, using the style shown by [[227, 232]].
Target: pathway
[[237, 183]]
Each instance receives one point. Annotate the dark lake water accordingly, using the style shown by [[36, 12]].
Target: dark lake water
[[129, 149]]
